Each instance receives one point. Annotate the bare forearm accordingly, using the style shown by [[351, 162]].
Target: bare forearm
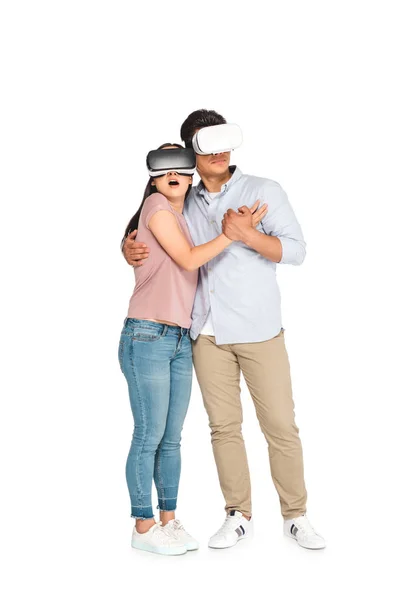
[[267, 245], [200, 255]]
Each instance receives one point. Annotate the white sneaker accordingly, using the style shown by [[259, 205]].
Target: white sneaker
[[302, 531], [181, 534], [157, 540], [236, 527]]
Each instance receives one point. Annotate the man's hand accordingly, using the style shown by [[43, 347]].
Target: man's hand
[[258, 213], [134, 252], [238, 225]]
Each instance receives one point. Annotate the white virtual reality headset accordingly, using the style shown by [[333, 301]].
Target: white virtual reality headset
[[217, 138]]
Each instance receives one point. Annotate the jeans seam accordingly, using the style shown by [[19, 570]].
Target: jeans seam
[[172, 498], [182, 337], [178, 347], [144, 421], [159, 471]]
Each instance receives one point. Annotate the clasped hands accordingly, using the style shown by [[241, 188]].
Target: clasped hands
[[238, 225]]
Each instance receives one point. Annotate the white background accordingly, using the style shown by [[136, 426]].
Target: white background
[[88, 88]]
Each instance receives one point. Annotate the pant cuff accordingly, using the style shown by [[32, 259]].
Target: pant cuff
[[142, 512], [294, 515], [245, 513], [167, 504]]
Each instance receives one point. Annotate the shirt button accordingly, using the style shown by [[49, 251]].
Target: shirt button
[[211, 291], [209, 268]]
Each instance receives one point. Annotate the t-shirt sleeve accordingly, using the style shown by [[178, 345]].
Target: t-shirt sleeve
[[153, 204]]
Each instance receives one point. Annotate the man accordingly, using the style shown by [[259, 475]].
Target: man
[[237, 328]]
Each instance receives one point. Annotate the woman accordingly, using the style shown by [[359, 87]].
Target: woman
[[155, 355]]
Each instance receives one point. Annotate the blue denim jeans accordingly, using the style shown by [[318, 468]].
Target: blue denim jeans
[[156, 360]]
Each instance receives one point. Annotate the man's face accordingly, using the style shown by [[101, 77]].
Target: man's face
[[211, 165]]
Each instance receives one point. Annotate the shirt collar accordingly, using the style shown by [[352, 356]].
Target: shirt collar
[[236, 174]]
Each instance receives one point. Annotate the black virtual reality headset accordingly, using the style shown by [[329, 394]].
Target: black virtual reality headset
[[217, 138], [179, 160]]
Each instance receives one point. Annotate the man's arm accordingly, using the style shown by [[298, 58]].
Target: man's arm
[[283, 240], [134, 252], [268, 246]]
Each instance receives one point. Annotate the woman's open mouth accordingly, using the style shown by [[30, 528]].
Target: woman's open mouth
[[173, 183]]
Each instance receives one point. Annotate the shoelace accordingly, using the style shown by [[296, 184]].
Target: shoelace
[[171, 528], [305, 526], [178, 525], [164, 531], [231, 522]]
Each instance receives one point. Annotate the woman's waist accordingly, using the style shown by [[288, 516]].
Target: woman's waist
[[173, 314], [157, 287], [157, 327]]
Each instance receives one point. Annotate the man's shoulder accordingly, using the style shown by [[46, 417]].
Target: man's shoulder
[[261, 181], [267, 190]]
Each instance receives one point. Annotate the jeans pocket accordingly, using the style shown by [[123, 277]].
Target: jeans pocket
[[141, 334], [121, 354]]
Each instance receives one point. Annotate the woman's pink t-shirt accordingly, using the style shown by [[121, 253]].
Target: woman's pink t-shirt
[[163, 291]]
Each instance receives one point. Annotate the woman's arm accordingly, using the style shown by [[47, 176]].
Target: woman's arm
[[136, 252], [165, 229]]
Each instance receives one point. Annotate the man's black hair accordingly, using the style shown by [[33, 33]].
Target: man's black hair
[[197, 120]]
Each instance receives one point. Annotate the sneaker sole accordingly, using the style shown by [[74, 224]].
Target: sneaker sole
[[164, 551], [293, 537], [191, 547], [242, 537]]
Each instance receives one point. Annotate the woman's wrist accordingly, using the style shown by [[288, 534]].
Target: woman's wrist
[[226, 240]]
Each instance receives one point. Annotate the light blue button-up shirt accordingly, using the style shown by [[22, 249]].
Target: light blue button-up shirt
[[239, 285]]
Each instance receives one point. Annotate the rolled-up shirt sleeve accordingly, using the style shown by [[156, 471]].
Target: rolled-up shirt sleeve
[[280, 221]]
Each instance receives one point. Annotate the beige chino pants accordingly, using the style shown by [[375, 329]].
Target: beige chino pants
[[265, 367]]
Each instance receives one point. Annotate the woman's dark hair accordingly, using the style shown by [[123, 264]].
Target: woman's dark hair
[[197, 120], [134, 222]]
